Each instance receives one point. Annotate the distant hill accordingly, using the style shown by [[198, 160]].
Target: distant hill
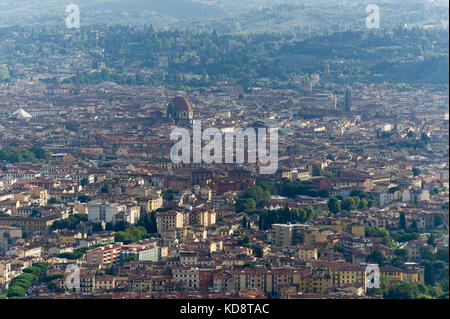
[[229, 16], [105, 11]]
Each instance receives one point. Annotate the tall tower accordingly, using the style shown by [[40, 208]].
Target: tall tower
[[77, 68], [348, 100], [77, 87]]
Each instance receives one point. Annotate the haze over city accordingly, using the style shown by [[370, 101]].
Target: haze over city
[[214, 150]]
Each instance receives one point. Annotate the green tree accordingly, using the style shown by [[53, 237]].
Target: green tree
[[16, 292], [245, 204], [402, 253], [266, 186], [380, 232], [244, 222], [376, 257], [148, 221], [440, 269], [442, 254], [402, 222], [257, 251], [438, 220], [427, 253], [407, 237], [382, 291], [324, 193], [403, 290], [243, 241], [104, 189], [334, 205], [130, 235], [429, 273], [363, 203], [121, 226], [84, 181], [97, 227], [257, 194], [356, 201], [84, 198], [4, 74], [317, 171], [348, 204]]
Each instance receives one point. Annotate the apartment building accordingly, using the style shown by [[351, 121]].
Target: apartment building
[[31, 225], [113, 213], [144, 253], [288, 234], [187, 274], [342, 274], [105, 255], [306, 252], [168, 220], [5, 272], [314, 283], [202, 217], [150, 281]]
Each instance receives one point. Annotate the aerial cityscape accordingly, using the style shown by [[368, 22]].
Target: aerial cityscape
[[252, 149]]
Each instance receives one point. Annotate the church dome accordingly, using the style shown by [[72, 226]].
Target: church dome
[[181, 104]]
